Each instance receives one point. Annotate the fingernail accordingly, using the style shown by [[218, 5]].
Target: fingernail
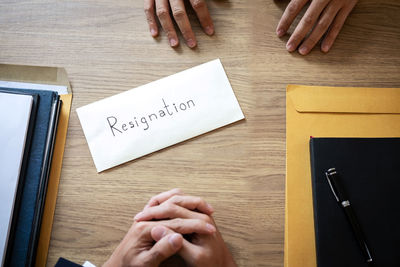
[[209, 30], [145, 207], [174, 240], [153, 32], [210, 207], [280, 32], [211, 228], [325, 48], [303, 50], [290, 47], [138, 216], [173, 42], [191, 43]]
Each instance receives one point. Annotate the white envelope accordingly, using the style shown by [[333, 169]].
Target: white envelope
[[159, 114]]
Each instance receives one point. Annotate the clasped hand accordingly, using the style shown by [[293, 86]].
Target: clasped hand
[[156, 234]]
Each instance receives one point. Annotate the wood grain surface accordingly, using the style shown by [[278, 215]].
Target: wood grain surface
[[106, 49]]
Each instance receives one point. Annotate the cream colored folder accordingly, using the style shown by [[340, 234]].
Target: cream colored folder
[[325, 112]]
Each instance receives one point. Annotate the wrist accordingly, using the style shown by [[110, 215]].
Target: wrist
[[113, 261], [229, 261]]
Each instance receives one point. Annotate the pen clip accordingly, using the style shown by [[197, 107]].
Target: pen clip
[[327, 174]]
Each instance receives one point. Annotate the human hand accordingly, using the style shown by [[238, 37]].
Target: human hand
[[162, 9], [138, 248], [322, 17], [201, 249]]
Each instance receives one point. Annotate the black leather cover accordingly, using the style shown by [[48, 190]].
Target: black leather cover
[[66, 263], [369, 169]]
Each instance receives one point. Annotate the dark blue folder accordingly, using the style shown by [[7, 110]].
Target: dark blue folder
[[27, 228]]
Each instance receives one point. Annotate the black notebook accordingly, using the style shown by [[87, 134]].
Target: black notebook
[[66, 263], [369, 169]]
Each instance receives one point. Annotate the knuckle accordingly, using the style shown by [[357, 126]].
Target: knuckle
[[176, 199], [140, 226], [148, 8], [170, 32], [198, 4], [200, 200], [323, 23], [178, 224], [153, 200], [178, 13], [199, 256], [150, 20], [133, 231], [199, 223], [311, 41], [295, 39], [177, 191], [178, 221], [162, 13], [336, 28], [308, 21], [205, 218], [293, 8], [187, 33], [172, 224]]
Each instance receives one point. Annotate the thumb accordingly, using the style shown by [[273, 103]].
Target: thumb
[[187, 251], [167, 246]]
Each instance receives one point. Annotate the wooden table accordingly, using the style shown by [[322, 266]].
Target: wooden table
[[240, 169]]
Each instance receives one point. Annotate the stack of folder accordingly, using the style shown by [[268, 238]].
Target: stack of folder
[[341, 113], [34, 112]]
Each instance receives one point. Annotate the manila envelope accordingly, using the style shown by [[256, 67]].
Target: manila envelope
[[325, 112], [52, 76]]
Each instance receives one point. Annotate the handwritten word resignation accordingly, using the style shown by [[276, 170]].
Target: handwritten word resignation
[[144, 122]]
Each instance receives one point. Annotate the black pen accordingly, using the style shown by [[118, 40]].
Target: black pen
[[343, 200]]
